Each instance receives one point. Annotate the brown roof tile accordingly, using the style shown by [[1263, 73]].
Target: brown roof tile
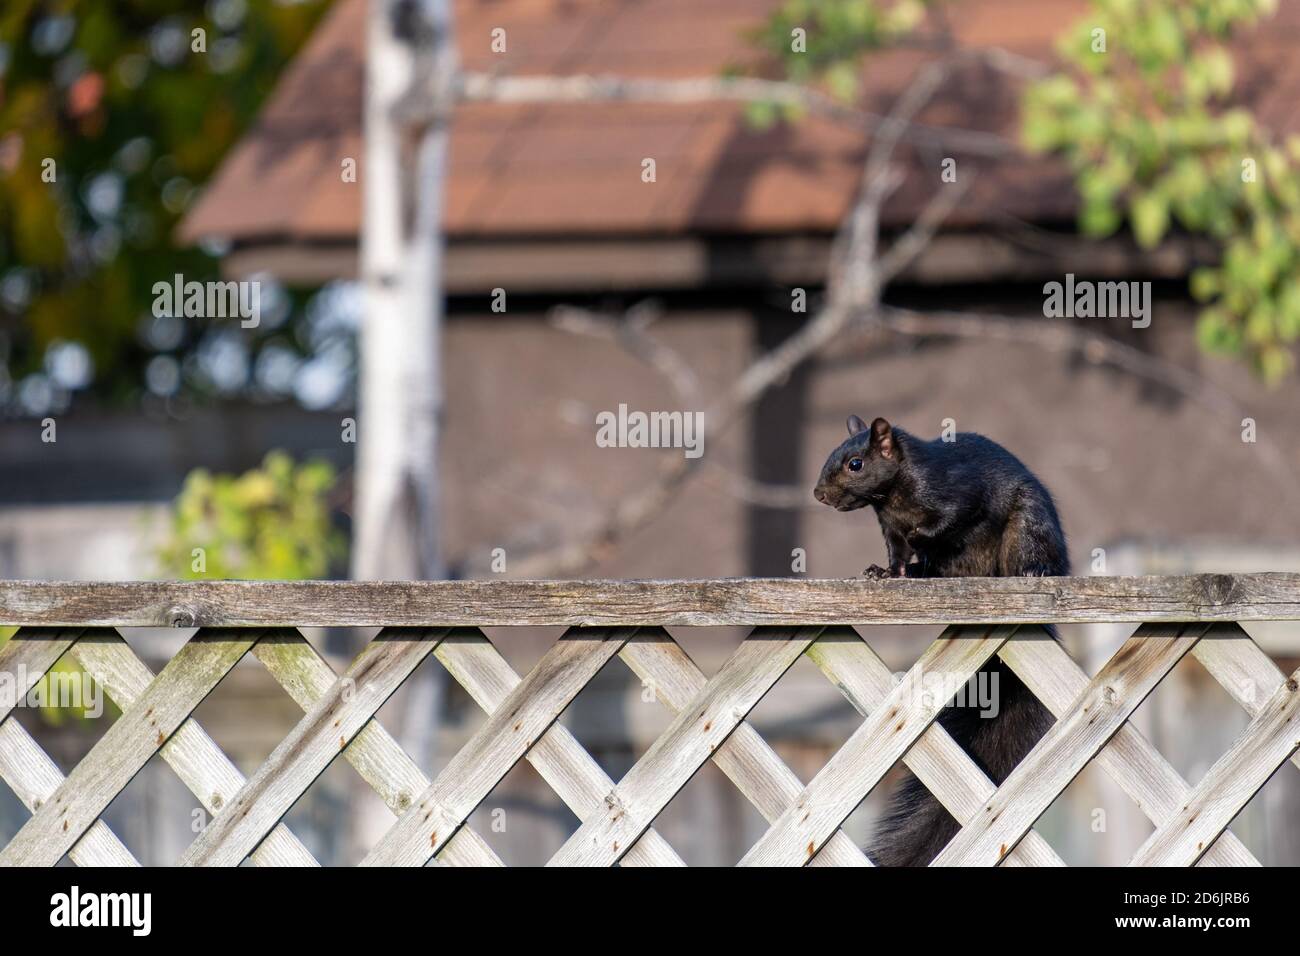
[[576, 169]]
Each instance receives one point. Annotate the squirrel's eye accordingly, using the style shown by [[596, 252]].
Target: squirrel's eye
[[855, 464]]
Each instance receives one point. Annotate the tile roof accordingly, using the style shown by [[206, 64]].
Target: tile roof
[[574, 169]]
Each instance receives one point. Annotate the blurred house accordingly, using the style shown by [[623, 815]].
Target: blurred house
[[548, 204]]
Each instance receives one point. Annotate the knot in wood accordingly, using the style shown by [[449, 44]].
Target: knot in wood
[[181, 617], [1218, 588]]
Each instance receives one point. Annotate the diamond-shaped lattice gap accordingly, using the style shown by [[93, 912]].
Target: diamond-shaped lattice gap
[[709, 647], [709, 822], [155, 815], [339, 818], [247, 714], [522, 819], [1190, 719], [431, 716], [805, 718], [1093, 822], [612, 719], [66, 734], [523, 647]]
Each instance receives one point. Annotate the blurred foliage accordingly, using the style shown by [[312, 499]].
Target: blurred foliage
[[1153, 140], [837, 34], [271, 523], [1146, 127], [133, 118]]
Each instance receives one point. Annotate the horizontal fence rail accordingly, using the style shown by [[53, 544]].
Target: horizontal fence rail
[[982, 619], [726, 601]]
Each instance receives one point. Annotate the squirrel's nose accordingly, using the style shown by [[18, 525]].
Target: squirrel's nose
[[819, 495]]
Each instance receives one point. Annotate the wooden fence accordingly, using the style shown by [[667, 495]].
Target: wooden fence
[[1195, 615]]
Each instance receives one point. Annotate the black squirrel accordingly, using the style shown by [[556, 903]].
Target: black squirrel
[[964, 507]]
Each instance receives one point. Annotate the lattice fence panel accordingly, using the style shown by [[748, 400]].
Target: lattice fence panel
[[709, 723]]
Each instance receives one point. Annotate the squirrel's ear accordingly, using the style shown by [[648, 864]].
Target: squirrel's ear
[[882, 436], [856, 425]]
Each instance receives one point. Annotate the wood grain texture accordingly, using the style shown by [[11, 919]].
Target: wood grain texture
[[520, 721], [1129, 758], [126, 746], [904, 714], [1119, 687], [324, 731], [1272, 737], [731, 601]]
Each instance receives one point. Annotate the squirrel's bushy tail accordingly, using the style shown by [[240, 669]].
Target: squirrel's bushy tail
[[916, 826]]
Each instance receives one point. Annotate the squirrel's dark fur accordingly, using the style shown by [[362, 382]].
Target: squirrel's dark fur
[[964, 507]]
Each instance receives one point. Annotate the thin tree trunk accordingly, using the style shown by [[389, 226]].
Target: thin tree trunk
[[384, 544], [396, 521]]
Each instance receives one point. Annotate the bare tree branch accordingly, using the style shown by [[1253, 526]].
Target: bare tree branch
[[904, 250], [631, 332], [585, 88]]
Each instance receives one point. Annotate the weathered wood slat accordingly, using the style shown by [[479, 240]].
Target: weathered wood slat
[[1272, 737], [511, 730], [695, 734], [1129, 758], [382, 763], [937, 760], [33, 776], [874, 747], [557, 756], [739, 601], [745, 757], [190, 752], [324, 731], [1101, 710], [126, 746]]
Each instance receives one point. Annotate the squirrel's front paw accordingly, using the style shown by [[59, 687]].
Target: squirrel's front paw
[[876, 571]]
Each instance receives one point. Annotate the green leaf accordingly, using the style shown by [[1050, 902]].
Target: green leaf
[[762, 115], [1149, 213], [1204, 284]]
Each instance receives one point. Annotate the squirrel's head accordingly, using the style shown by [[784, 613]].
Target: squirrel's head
[[860, 471]]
